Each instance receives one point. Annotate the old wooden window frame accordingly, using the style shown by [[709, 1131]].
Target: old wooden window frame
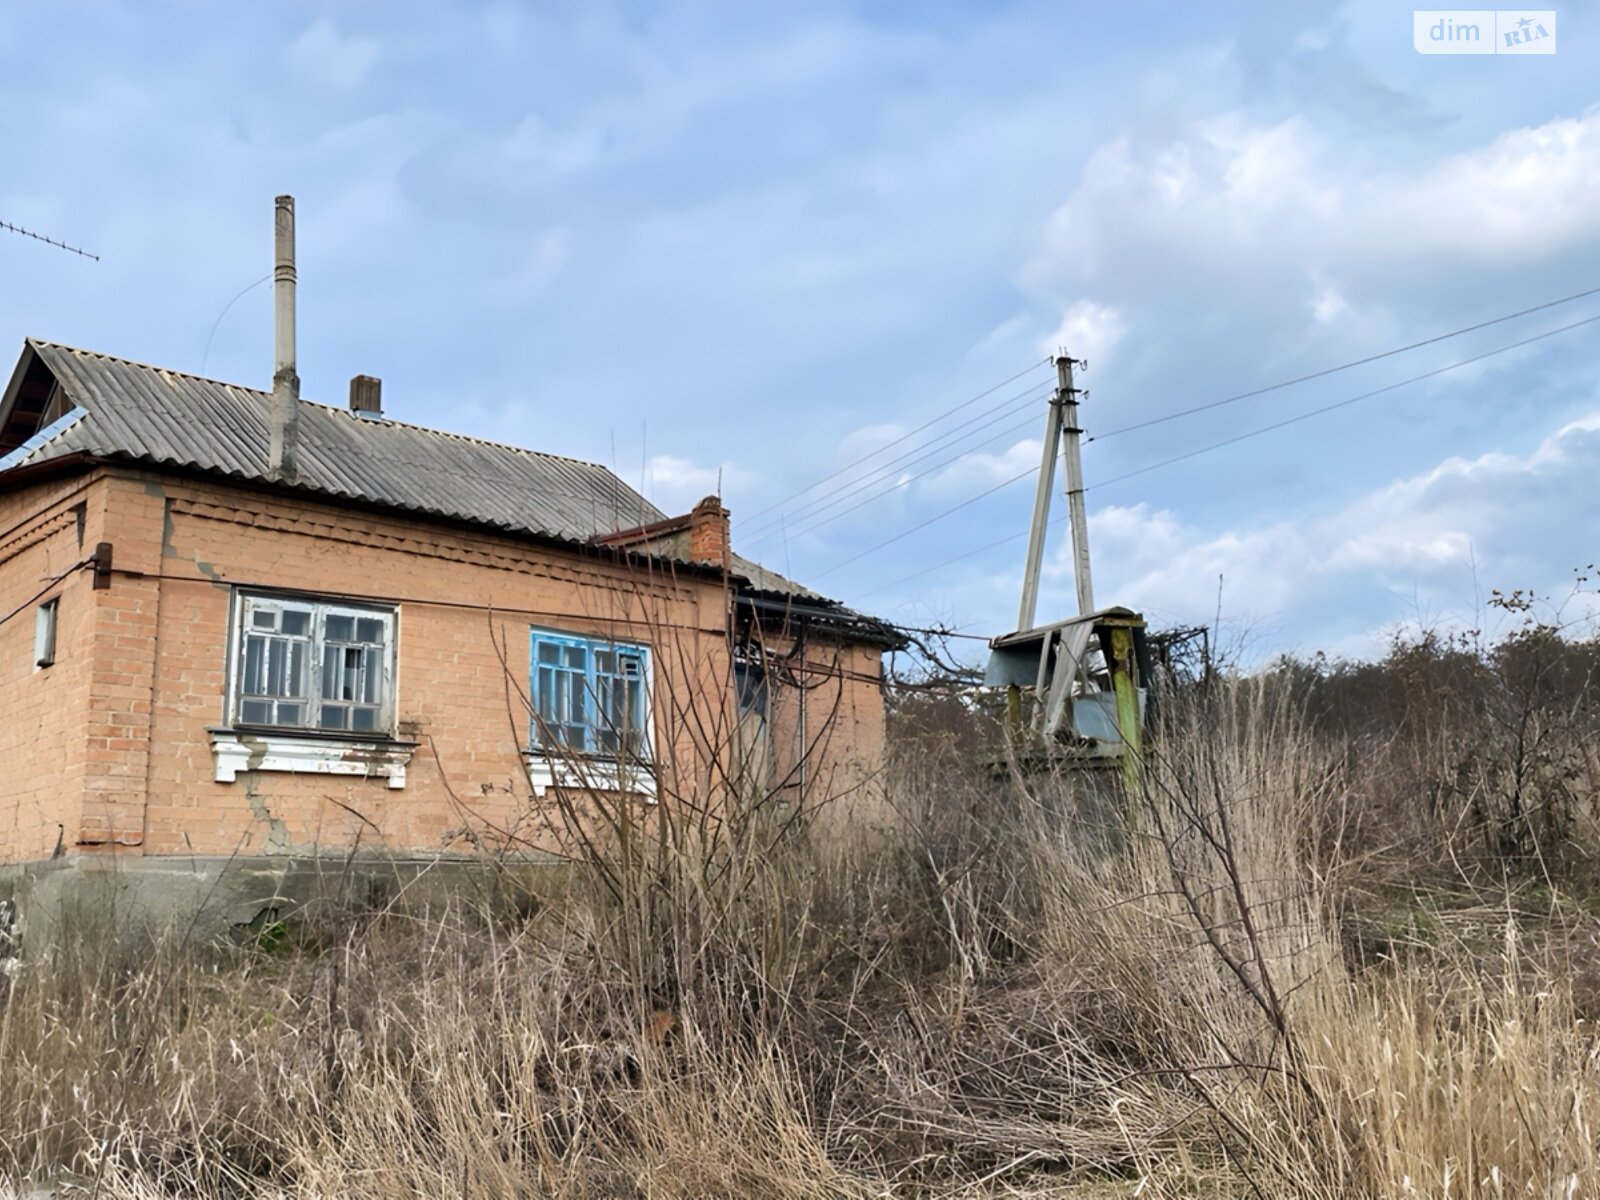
[[573, 679], [305, 626]]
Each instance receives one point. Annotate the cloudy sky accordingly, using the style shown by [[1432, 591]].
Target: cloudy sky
[[759, 243]]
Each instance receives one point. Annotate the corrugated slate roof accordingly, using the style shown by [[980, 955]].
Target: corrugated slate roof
[[168, 418]]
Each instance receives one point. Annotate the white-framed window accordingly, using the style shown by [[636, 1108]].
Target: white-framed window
[[591, 696], [313, 664], [44, 632]]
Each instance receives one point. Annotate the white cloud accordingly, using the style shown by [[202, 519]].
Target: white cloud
[[503, 22], [535, 266], [675, 485], [534, 141], [1425, 543], [1233, 196], [869, 439], [1088, 331], [979, 470], [1005, 336], [1328, 304], [330, 57]]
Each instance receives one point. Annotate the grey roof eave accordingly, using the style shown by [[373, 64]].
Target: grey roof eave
[[171, 421], [79, 461]]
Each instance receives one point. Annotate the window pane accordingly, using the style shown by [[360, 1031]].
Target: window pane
[[588, 694], [293, 656], [275, 668], [254, 648], [545, 701], [330, 673], [578, 713], [349, 668], [750, 681], [297, 669]]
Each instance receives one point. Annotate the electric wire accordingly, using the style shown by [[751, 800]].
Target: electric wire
[[925, 425], [1327, 408], [910, 479], [765, 530], [950, 562], [1437, 338], [889, 473], [44, 591], [1326, 371], [1005, 408], [905, 533], [204, 358]]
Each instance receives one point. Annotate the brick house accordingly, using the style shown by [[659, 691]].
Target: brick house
[[217, 671]]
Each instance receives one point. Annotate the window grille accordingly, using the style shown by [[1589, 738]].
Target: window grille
[[590, 696], [305, 663]]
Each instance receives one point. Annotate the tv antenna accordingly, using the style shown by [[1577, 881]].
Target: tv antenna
[[49, 241]]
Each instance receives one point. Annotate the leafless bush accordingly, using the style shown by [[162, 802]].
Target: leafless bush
[[1476, 760], [1035, 985]]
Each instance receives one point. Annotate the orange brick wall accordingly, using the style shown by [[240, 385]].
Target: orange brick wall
[[44, 531], [128, 761], [828, 733]]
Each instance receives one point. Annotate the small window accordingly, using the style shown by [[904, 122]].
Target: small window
[[311, 664], [590, 696], [44, 632], [750, 686]]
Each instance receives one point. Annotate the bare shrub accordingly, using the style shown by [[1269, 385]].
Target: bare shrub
[[1038, 985]]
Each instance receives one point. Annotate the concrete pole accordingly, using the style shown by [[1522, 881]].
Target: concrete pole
[[284, 417], [1041, 515], [1075, 508]]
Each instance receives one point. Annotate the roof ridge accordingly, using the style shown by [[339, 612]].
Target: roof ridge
[[449, 433], [134, 362]]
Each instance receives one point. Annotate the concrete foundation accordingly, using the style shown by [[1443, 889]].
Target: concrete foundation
[[237, 897]]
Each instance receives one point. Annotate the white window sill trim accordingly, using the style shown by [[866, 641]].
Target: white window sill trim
[[588, 774], [238, 750]]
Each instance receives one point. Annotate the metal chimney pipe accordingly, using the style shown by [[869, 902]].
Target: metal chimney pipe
[[284, 417]]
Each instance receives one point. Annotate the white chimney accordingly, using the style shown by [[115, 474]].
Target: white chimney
[[285, 413]]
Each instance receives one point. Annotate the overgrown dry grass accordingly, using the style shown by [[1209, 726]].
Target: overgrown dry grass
[[1027, 991]]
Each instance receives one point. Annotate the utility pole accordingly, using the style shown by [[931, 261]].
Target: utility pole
[[1043, 486], [1075, 507], [1060, 421]]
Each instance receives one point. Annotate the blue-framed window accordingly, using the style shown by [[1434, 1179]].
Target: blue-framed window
[[590, 696]]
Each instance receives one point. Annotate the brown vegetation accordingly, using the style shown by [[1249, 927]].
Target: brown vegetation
[[1333, 945]]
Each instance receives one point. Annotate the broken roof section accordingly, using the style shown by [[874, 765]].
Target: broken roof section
[[63, 402]]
